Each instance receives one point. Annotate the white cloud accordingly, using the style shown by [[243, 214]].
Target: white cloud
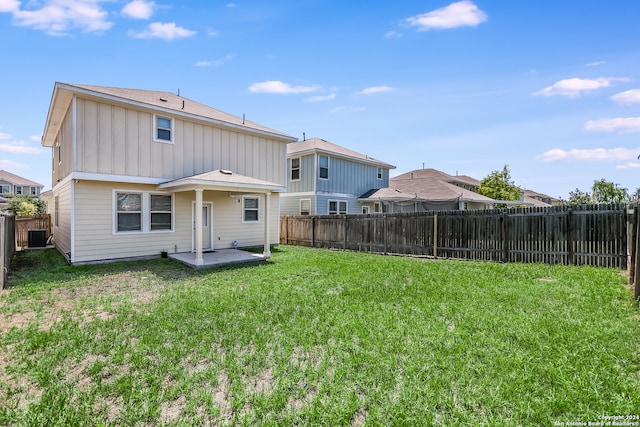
[[139, 9], [321, 98], [627, 97], [57, 17], [629, 165], [618, 124], [211, 32], [167, 31], [574, 87], [274, 86], [393, 35], [9, 5], [595, 64], [17, 147], [459, 14], [596, 154], [375, 89], [215, 62]]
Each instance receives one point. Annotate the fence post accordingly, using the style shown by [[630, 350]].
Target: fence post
[[636, 289], [570, 250], [505, 237], [346, 231], [631, 242], [313, 232], [3, 248], [435, 235]]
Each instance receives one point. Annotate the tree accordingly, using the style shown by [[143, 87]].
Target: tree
[[499, 186], [608, 192], [577, 197], [26, 204]]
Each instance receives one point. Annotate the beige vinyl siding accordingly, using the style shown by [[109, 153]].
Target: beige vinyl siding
[[118, 140], [62, 232], [95, 240], [228, 225], [94, 237]]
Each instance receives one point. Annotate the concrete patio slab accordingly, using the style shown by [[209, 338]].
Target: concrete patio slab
[[218, 257]]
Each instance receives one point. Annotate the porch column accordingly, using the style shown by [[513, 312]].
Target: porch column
[[267, 230], [198, 229]]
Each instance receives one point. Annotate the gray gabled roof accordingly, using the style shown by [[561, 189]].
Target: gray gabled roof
[[150, 99], [17, 180], [318, 145]]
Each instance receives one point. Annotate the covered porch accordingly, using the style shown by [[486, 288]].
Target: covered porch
[[258, 216]]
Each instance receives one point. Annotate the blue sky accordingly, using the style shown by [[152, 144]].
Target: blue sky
[[551, 88]]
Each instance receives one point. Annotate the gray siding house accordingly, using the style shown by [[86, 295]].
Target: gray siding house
[[324, 179]]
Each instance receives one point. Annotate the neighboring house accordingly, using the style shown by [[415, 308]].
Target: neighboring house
[[16, 185], [138, 172], [430, 189], [325, 178]]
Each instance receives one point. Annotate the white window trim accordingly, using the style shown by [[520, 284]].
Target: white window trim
[[155, 129], [250, 196], [366, 210], [146, 212], [2, 188], [21, 190], [305, 200], [338, 212], [377, 207], [380, 173], [59, 147], [299, 169], [320, 167]]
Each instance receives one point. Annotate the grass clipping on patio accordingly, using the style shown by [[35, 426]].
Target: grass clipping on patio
[[316, 337]]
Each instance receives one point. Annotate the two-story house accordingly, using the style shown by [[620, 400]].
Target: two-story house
[[139, 172], [13, 184], [326, 178]]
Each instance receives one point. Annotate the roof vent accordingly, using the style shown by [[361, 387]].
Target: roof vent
[[226, 172], [163, 99]]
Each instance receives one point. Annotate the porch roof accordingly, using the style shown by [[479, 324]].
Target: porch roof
[[221, 180]]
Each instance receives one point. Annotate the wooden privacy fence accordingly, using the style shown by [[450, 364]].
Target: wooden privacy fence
[[7, 245], [582, 235], [31, 222], [634, 248]]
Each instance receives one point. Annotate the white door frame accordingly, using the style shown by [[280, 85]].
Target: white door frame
[[193, 222]]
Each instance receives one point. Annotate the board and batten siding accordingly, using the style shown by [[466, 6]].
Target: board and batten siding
[[290, 204], [349, 177], [307, 174], [228, 226], [62, 157], [117, 140]]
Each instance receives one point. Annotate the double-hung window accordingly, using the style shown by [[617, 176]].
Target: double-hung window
[[250, 209], [323, 170], [160, 212], [163, 129], [5, 189], [18, 190], [142, 212], [305, 206], [129, 212], [33, 191], [379, 173], [295, 169], [337, 207]]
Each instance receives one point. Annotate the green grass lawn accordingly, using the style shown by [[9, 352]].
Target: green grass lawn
[[316, 337]]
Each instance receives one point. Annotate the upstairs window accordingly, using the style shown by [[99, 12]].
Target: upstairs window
[[295, 169], [163, 131], [18, 190], [379, 173], [337, 207], [33, 191], [250, 209], [5, 189], [324, 167]]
